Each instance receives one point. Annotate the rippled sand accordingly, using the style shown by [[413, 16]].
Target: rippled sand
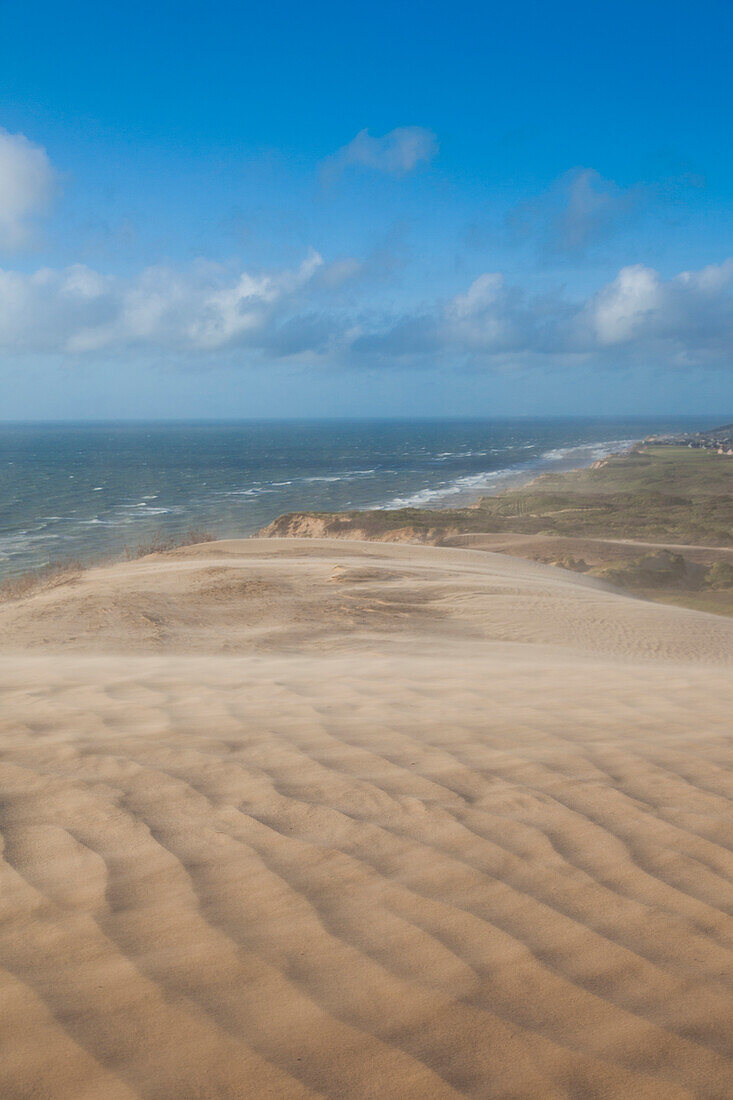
[[328, 819]]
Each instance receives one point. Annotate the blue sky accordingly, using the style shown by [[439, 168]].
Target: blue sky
[[386, 209]]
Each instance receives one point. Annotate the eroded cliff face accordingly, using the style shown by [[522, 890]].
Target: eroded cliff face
[[307, 525], [299, 525]]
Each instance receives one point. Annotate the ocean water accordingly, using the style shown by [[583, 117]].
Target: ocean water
[[89, 490]]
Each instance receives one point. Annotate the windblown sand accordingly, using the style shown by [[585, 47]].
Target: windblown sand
[[329, 819]]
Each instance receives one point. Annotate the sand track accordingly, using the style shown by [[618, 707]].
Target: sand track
[[327, 819]]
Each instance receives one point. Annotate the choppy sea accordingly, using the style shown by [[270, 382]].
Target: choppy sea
[[88, 490]]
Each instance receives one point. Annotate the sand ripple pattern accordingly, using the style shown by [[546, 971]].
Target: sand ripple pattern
[[342, 821]]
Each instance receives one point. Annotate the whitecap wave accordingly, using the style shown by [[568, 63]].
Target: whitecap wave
[[595, 451], [347, 475], [474, 483]]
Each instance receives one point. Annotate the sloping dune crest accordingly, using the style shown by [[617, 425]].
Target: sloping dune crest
[[325, 819]]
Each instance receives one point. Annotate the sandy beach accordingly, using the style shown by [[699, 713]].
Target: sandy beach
[[337, 819]]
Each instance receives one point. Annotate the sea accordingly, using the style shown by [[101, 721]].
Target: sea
[[89, 490]]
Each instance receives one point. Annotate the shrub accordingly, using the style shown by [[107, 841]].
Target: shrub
[[163, 541], [719, 575]]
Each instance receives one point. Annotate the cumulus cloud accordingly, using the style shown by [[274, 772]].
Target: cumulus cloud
[[203, 309], [26, 183], [206, 311], [637, 317], [690, 315], [396, 153]]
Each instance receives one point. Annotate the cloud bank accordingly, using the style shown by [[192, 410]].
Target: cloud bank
[[206, 311], [26, 184]]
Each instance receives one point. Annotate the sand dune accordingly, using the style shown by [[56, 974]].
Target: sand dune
[[333, 819]]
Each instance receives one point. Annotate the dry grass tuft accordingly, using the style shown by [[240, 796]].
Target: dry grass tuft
[[162, 541], [67, 570], [47, 576]]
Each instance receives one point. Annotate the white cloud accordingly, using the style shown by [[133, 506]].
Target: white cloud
[[637, 317], [397, 153], [199, 310], [489, 314], [26, 183], [687, 319], [628, 306], [205, 311]]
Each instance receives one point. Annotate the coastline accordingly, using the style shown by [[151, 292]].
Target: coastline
[[89, 494], [626, 447], [494, 482], [592, 519], [655, 521]]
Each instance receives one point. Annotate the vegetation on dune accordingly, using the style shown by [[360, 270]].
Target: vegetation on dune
[[46, 576], [66, 570], [659, 494], [662, 494], [162, 541], [661, 569], [720, 575]]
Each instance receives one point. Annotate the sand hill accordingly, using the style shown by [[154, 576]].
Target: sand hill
[[337, 819]]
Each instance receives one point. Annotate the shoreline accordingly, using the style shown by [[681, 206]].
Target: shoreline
[[654, 521], [95, 538], [537, 475], [511, 478], [453, 521]]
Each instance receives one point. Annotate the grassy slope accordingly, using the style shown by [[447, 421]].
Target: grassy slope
[[655, 494]]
